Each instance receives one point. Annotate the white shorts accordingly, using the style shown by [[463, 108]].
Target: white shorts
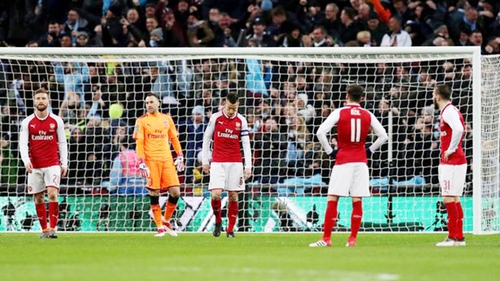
[[39, 179], [350, 179], [227, 176], [452, 179]]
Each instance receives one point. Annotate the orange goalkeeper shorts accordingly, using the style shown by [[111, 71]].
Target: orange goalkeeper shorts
[[162, 175]]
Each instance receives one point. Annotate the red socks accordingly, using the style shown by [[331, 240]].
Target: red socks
[[330, 219], [53, 214], [216, 208], [356, 216], [451, 208], [460, 221], [232, 214], [41, 212]]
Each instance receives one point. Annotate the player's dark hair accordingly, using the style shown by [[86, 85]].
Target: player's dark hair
[[355, 92], [152, 95], [444, 91], [232, 97]]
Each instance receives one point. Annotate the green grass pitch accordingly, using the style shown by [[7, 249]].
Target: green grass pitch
[[124, 256]]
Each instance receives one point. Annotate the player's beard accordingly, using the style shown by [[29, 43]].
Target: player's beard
[[436, 106], [41, 107]]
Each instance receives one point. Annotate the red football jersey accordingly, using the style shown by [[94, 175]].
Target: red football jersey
[[352, 129], [43, 141], [450, 115], [227, 133]]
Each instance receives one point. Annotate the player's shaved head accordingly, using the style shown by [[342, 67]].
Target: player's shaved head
[[355, 92]]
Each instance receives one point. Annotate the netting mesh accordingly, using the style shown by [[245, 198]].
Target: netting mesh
[[284, 98]]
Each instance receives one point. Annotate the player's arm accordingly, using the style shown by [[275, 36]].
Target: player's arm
[[173, 135], [207, 138], [62, 145], [23, 145], [139, 139], [325, 128], [452, 118], [379, 130], [247, 151]]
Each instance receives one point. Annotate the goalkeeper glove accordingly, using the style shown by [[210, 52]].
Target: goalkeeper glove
[[179, 163], [143, 169]]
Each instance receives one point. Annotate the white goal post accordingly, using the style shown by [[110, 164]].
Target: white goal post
[[285, 93]]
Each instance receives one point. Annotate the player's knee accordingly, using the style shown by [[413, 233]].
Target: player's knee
[[173, 199], [52, 195], [216, 196], [155, 200]]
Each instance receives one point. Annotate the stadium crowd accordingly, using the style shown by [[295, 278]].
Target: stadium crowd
[[284, 102]]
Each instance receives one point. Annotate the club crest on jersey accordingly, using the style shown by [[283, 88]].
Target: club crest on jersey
[[52, 126], [165, 123], [238, 125]]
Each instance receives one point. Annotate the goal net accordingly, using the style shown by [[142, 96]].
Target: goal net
[[285, 95]]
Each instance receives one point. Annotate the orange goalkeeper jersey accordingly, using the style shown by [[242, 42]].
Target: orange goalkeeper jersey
[[154, 133]]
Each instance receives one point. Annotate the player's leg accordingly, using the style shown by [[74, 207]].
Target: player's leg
[[460, 241], [52, 176], [458, 189], [235, 183], [53, 194], [338, 186], [356, 217], [171, 181], [154, 195], [217, 210], [41, 212], [36, 186], [232, 213], [360, 187], [445, 183], [216, 185]]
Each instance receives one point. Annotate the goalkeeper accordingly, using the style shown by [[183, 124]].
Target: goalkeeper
[[153, 132]]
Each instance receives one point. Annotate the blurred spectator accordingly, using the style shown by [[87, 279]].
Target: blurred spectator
[[376, 28], [51, 38], [74, 25], [270, 149], [396, 37], [9, 162], [125, 176], [199, 33], [191, 138]]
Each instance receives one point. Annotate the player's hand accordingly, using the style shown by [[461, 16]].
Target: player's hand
[[64, 171], [447, 156], [143, 168], [206, 168], [369, 152], [333, 154], [29, 167], [248, 173], [179, 163]]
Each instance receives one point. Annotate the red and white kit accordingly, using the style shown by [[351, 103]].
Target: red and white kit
[[226, 170], [43, 143]]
